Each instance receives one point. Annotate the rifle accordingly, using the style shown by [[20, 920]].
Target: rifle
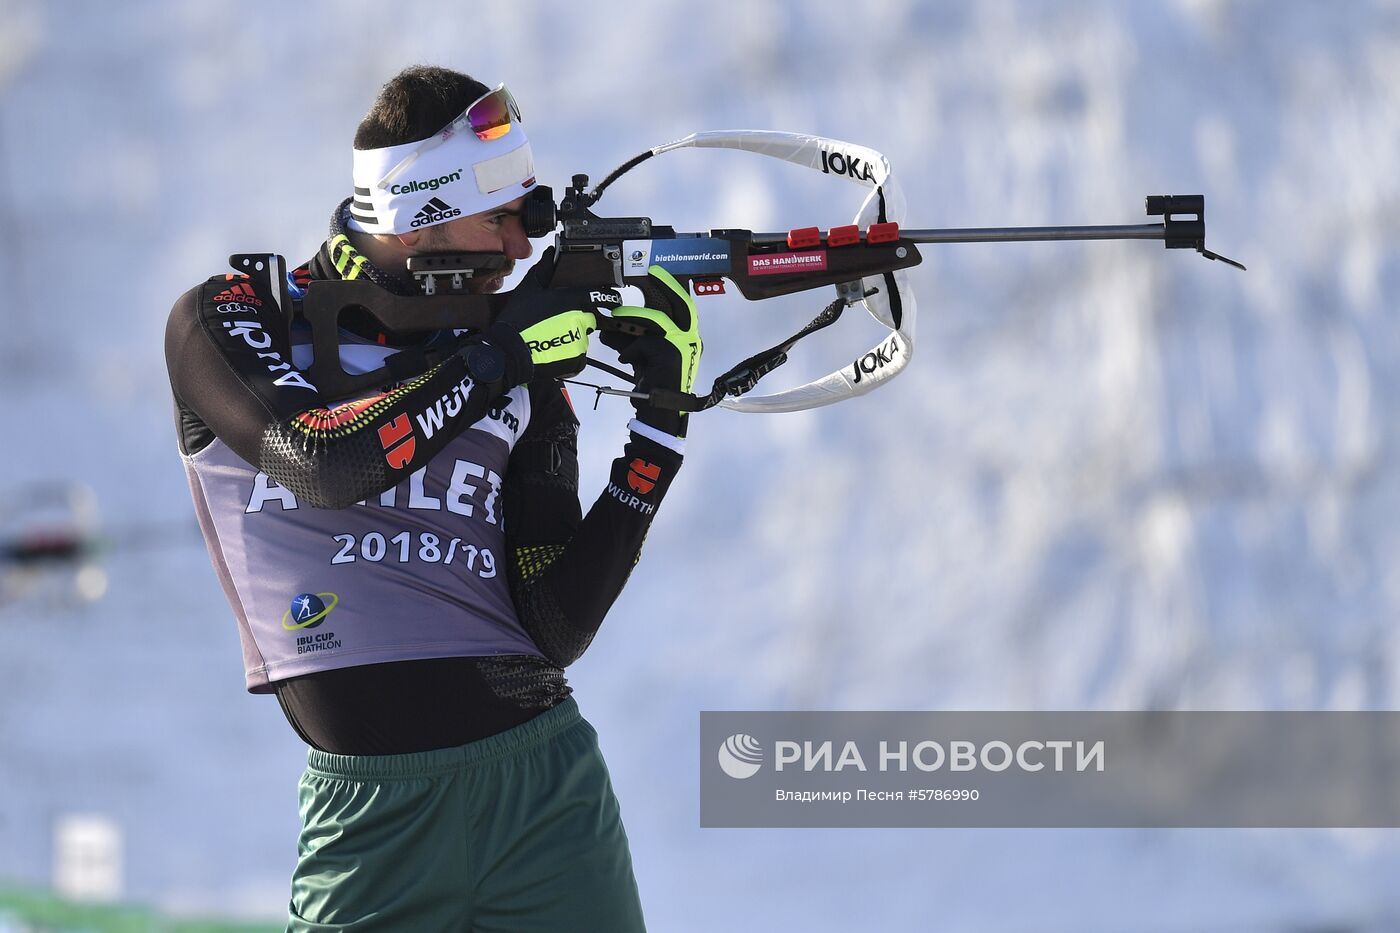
[[866, 261]]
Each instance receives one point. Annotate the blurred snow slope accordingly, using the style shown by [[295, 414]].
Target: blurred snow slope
[[1113, 477]]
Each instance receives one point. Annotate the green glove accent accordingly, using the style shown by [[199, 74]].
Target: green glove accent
[[683, 335], [563, 336]]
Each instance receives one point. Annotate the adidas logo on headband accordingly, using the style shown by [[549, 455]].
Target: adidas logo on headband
[[435, 211]]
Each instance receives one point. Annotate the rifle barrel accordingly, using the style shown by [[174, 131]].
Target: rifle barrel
[[1013, 234], [1019, 234]]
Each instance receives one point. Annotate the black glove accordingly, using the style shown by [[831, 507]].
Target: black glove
[[666, 359], [554, 323]]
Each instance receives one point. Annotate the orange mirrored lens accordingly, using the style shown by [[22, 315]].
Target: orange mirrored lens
[[489, 117]]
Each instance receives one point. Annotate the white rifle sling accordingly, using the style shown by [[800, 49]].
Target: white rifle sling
[[892, 303]]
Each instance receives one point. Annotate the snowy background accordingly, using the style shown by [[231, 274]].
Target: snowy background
[[1112, 478]]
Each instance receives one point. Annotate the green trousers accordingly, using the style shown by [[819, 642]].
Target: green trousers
[[517, 832]]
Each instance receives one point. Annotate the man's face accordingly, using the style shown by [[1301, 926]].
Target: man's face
[[499, 230]]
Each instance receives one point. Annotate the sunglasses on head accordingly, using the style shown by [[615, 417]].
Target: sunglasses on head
[[490, 117]]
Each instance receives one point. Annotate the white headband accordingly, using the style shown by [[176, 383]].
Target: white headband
[[451, 175]]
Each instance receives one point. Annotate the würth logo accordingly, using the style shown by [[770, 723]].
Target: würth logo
[[398, 441], [435, 211], [642, 476], [240, 292]]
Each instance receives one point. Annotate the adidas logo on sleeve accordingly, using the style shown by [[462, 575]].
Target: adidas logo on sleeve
[[241, 292], [434, 212]]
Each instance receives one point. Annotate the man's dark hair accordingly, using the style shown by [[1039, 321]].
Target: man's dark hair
[[415, 104]]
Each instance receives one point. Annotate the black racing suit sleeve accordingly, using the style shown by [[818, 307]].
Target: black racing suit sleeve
[[566, 570], [231, 370]]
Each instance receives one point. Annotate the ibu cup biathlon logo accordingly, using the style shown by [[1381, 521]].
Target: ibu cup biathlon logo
[[741, 756], [308, 610]]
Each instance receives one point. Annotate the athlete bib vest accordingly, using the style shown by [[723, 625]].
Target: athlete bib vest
[[418, 571]]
